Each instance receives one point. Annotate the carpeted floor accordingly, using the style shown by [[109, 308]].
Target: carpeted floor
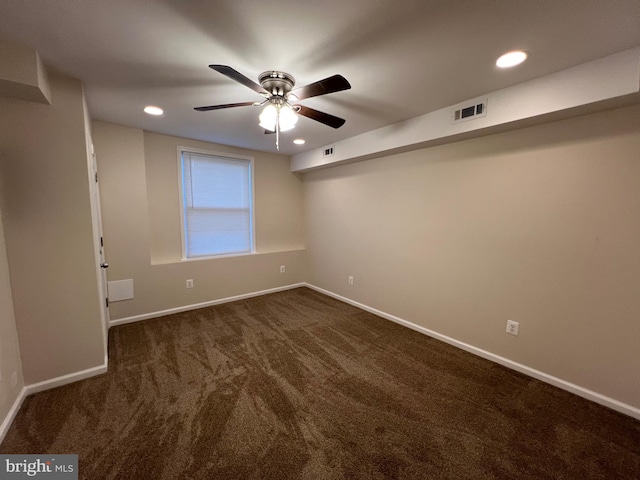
[[297, 385]]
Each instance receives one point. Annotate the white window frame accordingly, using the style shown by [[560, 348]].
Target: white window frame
[[252, 240]]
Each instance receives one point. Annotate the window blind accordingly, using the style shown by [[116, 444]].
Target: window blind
[[216, 205]]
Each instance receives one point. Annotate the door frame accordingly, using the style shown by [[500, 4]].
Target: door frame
[[98, 242]]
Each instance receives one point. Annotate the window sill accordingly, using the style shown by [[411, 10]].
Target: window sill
[[216, 257], [224, 257]]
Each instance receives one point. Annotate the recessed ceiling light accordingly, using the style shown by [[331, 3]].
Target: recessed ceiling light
[[511, 59], [151, 110], [299, 141]]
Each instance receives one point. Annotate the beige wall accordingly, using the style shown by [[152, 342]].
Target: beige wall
[[47, 226], [10, 363], [141, 221], [278, 195], [540, 225]]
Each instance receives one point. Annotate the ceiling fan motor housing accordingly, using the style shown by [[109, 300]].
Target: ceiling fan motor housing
[[277, 83]]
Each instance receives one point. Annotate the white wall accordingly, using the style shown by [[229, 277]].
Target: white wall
[[10, 363], [141, 220], [47, 226], [539, 225]]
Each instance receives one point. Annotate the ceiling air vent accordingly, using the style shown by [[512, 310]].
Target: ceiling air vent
[[328, 151], [475, 110]]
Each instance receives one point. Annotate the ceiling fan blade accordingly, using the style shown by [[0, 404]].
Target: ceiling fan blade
[[318, 116], [226, 105], [238, 77], [337, 83], [269, 132]]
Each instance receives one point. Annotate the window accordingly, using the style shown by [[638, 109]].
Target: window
[[217, 210]]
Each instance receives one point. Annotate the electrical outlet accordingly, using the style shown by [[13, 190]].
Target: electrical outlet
[[350, 280], [512, 327], [190, 283], [282, 268]]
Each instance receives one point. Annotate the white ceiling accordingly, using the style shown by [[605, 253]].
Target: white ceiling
[[403, 58]]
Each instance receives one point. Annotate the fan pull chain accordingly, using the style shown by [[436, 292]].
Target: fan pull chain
[[278, 130]]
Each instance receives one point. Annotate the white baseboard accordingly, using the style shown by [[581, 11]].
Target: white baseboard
[[550, 379], [65, 379], [185, 308], [4, 428], [46, 385]]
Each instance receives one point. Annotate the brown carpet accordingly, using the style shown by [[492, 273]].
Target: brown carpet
[[297, 385]]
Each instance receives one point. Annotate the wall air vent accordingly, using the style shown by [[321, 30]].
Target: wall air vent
[[328, 151], [470, 112]]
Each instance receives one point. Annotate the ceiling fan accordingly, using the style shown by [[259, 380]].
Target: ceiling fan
[[279, 115]]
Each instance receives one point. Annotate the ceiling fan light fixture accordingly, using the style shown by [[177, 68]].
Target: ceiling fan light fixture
[[281, 116], [288, 118], [268, 117]]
